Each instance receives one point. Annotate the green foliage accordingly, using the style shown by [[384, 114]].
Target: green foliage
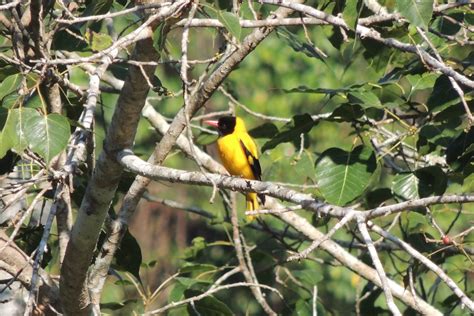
[[231, 23], [364, 124], [417, 12], [291, 132], [343, 176], [47, 134]]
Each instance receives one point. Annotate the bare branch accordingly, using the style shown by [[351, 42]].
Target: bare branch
[[244, 267], [364, 31], [378, 266], [427, 262]]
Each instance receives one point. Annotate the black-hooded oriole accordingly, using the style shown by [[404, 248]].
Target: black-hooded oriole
[[238, 153]]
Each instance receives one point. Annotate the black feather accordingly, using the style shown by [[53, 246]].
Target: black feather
[[255, 166]]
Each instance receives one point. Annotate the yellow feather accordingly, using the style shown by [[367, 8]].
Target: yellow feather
[[236, 161]]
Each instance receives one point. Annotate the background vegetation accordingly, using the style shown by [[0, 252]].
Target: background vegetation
[[352, 120]]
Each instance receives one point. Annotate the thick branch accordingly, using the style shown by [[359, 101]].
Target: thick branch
[[158, 173], [103, 184], [19, 265], [196, 101]]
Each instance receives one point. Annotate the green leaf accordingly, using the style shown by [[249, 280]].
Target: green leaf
[[231, 22], [309, 277], [198, 244], [209, 305], [301, 124], [302, 308], [206, 138], [33, 102], [202, 271], [302, 169], [343, 176], [449, 24], [267, 130], [297, 45], [98, 7], [178, 311], [15, 129], [351, 13], [405, 186], [420, 82], [98, 41], [417, 223], [11, 101], [47, 135], [129, 255], [305, 89], [9, 84], [418, 12], [432, 180], [460, 151], [366, 99], [128, 307]]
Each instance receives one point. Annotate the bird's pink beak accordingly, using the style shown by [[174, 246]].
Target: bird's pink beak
[[212, 123]]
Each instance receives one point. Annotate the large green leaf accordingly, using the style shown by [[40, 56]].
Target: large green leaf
[[15, 128], [405, 186], [351, 13], [432, 180], [231, 22], [420, 183], [209, 306], [364, 98], [308, 277], [47, 135], [443, 95], [424, 81], [9, 85], [267, 130], [301, 124], [343, 176], [418, 12], [302, 169]]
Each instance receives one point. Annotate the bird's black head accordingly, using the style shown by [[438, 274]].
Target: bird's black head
[[226, 125]]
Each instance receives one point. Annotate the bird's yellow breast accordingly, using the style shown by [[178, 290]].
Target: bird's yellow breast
[[233, 156]]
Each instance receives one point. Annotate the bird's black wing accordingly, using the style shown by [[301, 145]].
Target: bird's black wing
[[253, 162], [255, 166]]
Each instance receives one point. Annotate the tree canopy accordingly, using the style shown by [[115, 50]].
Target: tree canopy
[[113, 199]]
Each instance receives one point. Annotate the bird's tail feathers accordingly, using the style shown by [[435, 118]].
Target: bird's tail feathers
[[252, 205]]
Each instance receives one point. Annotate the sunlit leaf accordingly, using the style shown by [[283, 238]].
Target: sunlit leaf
[[351, 13], [405, 186], [98, 41], [231, 22], [9, 85], [15, 129], [418, 12], [343, 176], [364, 98], [47, 135], [419, 82]]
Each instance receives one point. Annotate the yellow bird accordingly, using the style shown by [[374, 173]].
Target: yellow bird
[[239, 154]]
